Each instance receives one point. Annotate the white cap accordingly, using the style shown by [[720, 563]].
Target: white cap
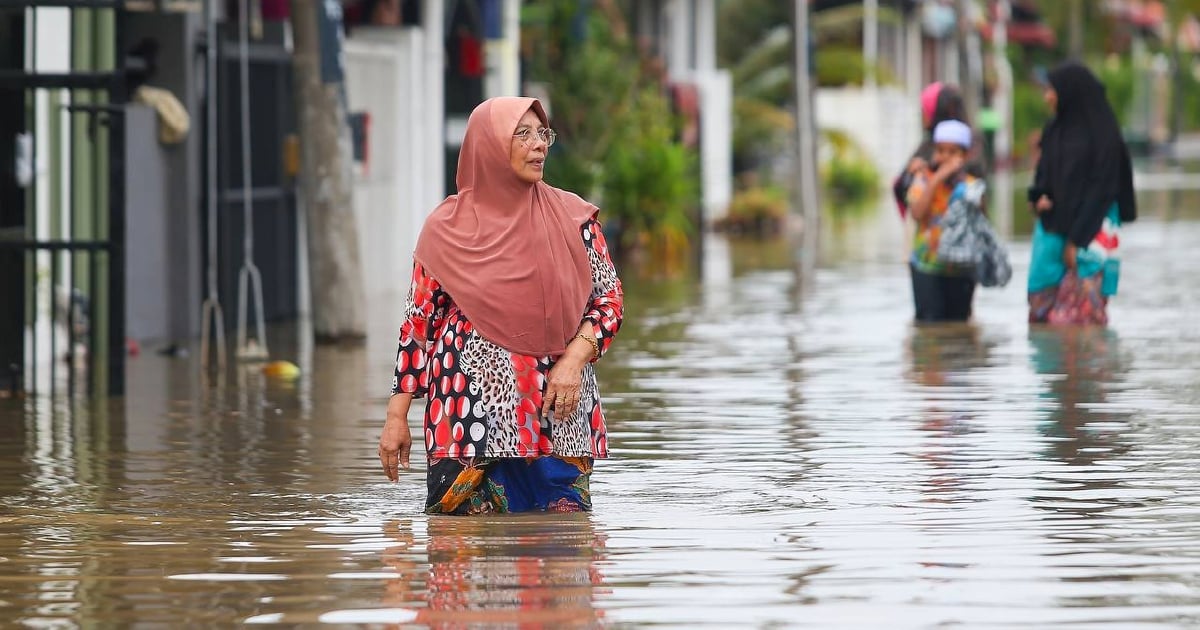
[[954, 132]]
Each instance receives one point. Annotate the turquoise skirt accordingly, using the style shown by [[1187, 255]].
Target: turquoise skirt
[[1046, 268]]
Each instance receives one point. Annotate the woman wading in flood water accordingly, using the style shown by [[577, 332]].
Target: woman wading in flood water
[[1082, 193], [513, 298]]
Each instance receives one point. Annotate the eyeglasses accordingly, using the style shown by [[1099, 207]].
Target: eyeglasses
[[546, 135]]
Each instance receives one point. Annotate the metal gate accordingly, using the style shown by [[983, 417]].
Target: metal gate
[[273, 191], [62, 196]]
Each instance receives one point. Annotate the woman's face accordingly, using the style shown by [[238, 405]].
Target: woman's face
[[1051, 98], [528, 155]]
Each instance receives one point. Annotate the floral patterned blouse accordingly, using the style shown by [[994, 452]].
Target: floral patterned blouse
[[967, 189], [484, 401]]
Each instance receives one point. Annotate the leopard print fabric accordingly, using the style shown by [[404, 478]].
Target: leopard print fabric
[[485, 400]]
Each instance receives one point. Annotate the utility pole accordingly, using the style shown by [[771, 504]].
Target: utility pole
[[326, 185], [969, 40], [1175, 20], [1001, 194], [1075, 29], [871, 42], [806, 195]]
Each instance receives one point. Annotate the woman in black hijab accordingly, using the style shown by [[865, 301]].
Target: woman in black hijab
[[1082, 192]]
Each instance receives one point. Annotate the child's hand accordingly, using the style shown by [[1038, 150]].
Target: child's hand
[[949, 168], [1044, 204], [917, 165]]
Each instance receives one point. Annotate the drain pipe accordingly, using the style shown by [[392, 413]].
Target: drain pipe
[[212, 318], [249, 274], [1002, 200]]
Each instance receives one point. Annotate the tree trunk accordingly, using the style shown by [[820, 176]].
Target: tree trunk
[[972, 47], [807, 198], [326, 188]]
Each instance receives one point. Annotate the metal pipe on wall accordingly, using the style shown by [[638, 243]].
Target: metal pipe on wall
[[212, 318]]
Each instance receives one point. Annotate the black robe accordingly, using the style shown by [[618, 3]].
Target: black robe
[[1084, 167]]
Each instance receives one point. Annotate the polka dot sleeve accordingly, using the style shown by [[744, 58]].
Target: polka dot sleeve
[[424, 311], [606, 306]]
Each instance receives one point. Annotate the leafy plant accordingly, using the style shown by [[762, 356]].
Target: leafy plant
[[619, 141], [844, 65], [649, 181], [1119, 81], [848, 176], [586, 66], [850, 181], [758, 211], [1190, 101], [1029, 114], [760, 129]]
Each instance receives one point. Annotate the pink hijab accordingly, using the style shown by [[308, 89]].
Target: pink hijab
[[509, 253], [929, 99]]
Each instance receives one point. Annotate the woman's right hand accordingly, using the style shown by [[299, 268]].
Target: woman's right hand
[[395, 442], [1043, 204]]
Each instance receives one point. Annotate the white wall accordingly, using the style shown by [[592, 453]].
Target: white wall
[[885, 122], [504, 55], [716, 142], [386, 77], [690, 50]]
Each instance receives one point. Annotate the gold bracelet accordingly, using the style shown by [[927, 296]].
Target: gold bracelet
[[591, 340]]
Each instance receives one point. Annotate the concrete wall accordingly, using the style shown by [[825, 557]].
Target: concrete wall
[[180, 70], [162, 183], [688, 42], [149, 257], [386, 76], [885, 122], [716, 142]]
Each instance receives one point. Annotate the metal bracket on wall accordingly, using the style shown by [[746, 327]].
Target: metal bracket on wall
[[98, 115]]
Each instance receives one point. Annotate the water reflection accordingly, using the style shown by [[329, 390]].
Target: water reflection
[[530, 571], [941, 359], [943, 355], [783, 458], [1082, 428], [1081, 365]]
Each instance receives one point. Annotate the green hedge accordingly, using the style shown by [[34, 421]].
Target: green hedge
[[844, 65]]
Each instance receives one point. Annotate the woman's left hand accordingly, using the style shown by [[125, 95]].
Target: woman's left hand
[[562, 388], [1070, 256]]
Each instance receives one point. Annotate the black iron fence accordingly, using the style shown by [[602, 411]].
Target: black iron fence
[[62, 202]]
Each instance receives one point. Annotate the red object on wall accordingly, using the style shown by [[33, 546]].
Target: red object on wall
[[1024, 33], [276, 10], [470, 56], [686, 99]]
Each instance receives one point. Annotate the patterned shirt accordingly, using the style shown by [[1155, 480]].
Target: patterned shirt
[[485, 400], [968, 189]]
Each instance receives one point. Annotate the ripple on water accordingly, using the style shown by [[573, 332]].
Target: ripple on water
[[778, 461]]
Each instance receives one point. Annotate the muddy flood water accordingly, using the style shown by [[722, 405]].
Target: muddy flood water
[[782, 458]]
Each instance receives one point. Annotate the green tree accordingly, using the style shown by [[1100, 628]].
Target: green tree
[[619, 142], [585, 64], [754, 40], [649, 184]]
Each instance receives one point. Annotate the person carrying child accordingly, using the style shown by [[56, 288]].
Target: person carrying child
[[943, 290]]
